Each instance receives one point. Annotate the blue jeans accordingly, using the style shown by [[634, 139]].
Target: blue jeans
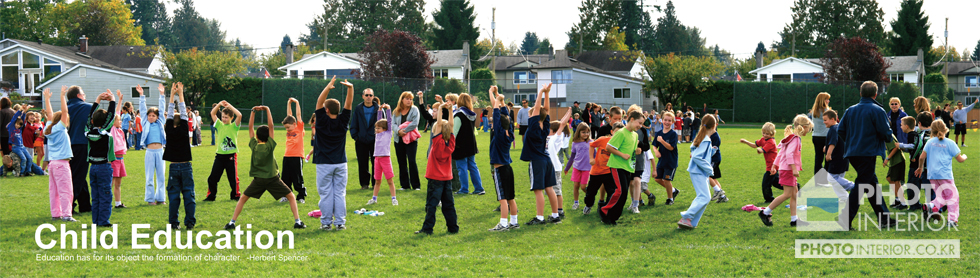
[[100, 179], [440, 191], [26, 161], [701, 188], [486, 124], [181, 183], [467, 168], [137, 136]]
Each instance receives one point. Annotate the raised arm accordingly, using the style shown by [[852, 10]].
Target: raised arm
[[436, 127], [299, 114], [251, 121], [493, 96], [289, 107], [326, 91], [568, 115], [547, 102], [272, 127], [238, 114], [48, 112], [162, 102], [350, 95], [64, 106], [214, 112], [181, 106]]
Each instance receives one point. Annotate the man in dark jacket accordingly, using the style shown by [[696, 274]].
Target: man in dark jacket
[[865, 128], [362, 131], [79, 112]]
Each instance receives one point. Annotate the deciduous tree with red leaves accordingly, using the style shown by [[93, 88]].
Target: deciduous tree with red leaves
[[396, 56], [854, 59]]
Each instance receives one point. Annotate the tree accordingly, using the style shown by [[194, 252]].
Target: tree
[[675, 76], [673, 37], [760, 48], [103, 22], [544, 47], [484, 47], [911, 33], [976, 52], [530, 43], [286, 41], [481, 80], [454, 24], [596, 17], [204, 72], [854, 59], [189, 29], [615, 40], [940, 52], [350, 22], [151, 16], [818, 23], [26, 20], [314, 38], [396, 54]]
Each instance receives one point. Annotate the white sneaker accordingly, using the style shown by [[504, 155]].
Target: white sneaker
[[372, 201], [301, 201], [394, 202], [574, 206], [635, 209], [282, 200]]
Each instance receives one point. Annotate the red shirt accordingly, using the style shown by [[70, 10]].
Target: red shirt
[[440, 158], [768, 150], [30, 132], [678, 123]]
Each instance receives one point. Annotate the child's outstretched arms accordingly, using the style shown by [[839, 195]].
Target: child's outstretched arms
[[326, 91]]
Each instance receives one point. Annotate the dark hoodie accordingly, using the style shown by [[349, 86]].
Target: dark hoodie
[[463, 130]]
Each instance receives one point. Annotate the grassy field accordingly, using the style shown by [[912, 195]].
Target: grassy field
[[728, 242]]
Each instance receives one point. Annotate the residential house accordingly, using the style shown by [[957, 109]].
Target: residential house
[[907, 69], [447, 64], [964, 79]]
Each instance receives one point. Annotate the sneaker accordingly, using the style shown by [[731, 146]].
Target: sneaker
[[394, 202], [372, 201], [325, 227], [766, 219], [499, 228], [685, 224], [714, 196], [417, 189], [676, 192], [561, 214], [422, 232], [68, 219], [652, 200], [440, 204], [535, 221], [230, 226], [461, 193], [479, 193], [282, 200], [587, 210], [151, 203], [635, 209], [798, 223], [952, 224], [574, 206], [299, 225], [723, 198], [189, 227], [514, 226], [669, 201], [901, 207], [174, 227], [401, 189], [497, 209], [301, 201], [235, 199], [553, 220], [341, 227], [209, 199], [120, 206]]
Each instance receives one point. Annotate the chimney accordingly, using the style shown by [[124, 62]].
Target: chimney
[[561, 55], [83, 44], [758, 60], [289, 54], [466, 49], [921, 71]]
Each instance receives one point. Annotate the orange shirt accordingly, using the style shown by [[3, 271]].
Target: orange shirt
[[294, 140], [601, 158]]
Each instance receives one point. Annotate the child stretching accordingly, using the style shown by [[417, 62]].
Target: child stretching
[[701, 169], [264, 170], [119, 148], [767, 148], [59, 153], [503, 174], [579, 162], [599, 175], [623, 148], [292, 160], [178, 152], [539, 164], [153, 138], [788, 164], [665, 149], [382, 153], [330, 158], [100, 157], [438, 172], [940, 152], [226, 155], [556, 140]]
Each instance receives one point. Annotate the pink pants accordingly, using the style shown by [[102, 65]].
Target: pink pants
[[947, 195], [60, 188]]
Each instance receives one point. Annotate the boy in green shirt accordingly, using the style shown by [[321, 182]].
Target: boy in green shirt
[[226, 156], [623, 147], [895, 161], [264, 171]]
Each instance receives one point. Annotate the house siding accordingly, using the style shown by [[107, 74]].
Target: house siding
[[97, 81]]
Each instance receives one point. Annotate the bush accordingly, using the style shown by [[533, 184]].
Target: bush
[[779, 102]]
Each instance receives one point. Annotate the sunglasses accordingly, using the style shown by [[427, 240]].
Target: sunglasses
[[894, 104], [369, 95]]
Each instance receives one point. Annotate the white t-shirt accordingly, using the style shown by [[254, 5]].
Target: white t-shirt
[[555, 143]]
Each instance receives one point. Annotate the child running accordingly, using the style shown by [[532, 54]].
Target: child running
[[836, 165], [503, 174], [580, 161], [788, 164], [59, 153], [264, 170], [540, 168], [226, 155], [329, 156], [665, 149], [623, 147], [719, 195], [178, 152], [767, 147], [153, 138], [382, 153], [119, 148], [701, 169], [639, 161], [599, 175], [917, 143], [940, 152], [437, 171], [100, 157], [292, 160]]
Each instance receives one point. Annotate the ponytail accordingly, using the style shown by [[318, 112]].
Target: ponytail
[[707, 123]]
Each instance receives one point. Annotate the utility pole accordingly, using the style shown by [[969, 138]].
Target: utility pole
[[946, 45], [493, 41], [326, 27]]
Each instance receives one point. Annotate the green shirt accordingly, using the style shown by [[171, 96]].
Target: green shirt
[[899, 157], [263, 159], [227, 137], [625, 141]]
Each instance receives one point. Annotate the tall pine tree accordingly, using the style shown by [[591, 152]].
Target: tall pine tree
[[818, 23], [911, 32], [976, 53], [530, 43], [454, 24], [596, 17], [152, 16]]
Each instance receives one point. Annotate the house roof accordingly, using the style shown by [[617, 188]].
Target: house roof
[[544, 61], [505, 62], [123, 56], [607, 60], [115, 71], [962, 68], [778, 62], [67, 54], [898, 63], [441, 58]]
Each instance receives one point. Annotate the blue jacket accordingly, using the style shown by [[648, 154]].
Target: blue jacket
[[701, 158], [362, 130], [78, 112], [161, 119], [865, 128], [897, 131]]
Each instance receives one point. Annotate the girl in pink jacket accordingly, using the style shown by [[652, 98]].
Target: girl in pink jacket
[[789, 164]]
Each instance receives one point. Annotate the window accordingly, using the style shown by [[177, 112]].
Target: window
[[524, 77], [31, 61], [440, 73], [971, 81], [341, 73], [561, 76], [11, 59], [294, 74], [781, 77], [313, 74], [519, 97], [897, 77], [135, 94], [621, 93]]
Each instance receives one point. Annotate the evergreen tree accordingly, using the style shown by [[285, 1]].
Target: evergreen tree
[[454, 24], [976, 52], [544, 47], [530, 43], [818, 23], [911, 32], [760, 48], [596, 17], [152, 16], [286, 41]]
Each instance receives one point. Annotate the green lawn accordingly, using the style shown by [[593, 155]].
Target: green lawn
[[728, 242]]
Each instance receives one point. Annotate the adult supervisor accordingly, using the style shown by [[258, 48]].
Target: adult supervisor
[[362, 131], [865, 128], [959, 121], [79, 112], [820, 104]]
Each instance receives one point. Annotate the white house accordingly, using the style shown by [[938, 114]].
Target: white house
[[908, 69], [447, 64]]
